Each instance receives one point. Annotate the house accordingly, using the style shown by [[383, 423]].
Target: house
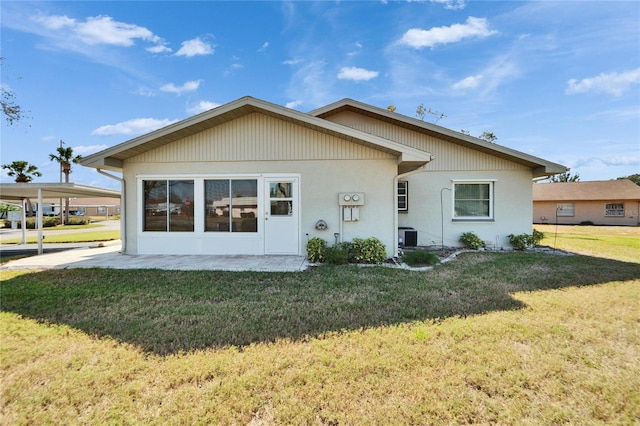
[[97, 206], [609, 202], [252, 177]]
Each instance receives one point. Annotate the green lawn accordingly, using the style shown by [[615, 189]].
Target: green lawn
[[492, 338], [612, 242], [76, 237]]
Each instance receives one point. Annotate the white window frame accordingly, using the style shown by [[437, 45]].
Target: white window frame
[[491, 183], [565, 210], [403, 186], [611, 210]]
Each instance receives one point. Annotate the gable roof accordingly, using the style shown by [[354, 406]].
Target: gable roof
[[606, 190], [112, 158], [540, 167]]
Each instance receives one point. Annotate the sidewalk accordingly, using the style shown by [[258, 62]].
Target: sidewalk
[[90, 255]]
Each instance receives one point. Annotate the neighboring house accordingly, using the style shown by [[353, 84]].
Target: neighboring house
[[251, 177], [609, 202], [84, 206]]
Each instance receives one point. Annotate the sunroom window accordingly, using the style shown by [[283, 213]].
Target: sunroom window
[[231, 205], [168, 205]]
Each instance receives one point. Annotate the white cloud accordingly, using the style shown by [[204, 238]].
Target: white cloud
[[232, 68], [189, 86], [264, 46], [136, 126], [195, 47], [293, 104], [293, 61], [160, 48], [55, 22], [98, 30], [356, 74], [451, 4], [613, 84], [202, 106], [470, 82], [611, 161], [419, 38]]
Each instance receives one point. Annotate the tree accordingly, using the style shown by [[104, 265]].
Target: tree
[[421, 112], [65, 157], [485, 136], [488, 136], [565, 177], [635, 178], [23, 173], [11, 110]]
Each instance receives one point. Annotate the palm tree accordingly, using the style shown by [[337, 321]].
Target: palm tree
[[22, 170], [23, 173], [65, 158]]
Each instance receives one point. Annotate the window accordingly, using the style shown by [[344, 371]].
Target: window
[[101, 210], [565, 209], [614, 209], [403, 196], [168, 205], [281, 198], [231, 205], [473, 200]]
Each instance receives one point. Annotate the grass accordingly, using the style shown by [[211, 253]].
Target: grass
[[493, 338], [79, 237], [611, 242]]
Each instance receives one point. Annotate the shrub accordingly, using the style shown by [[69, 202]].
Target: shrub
[[337, 254], [79, 220], [316, 249], [586, 223], [420, 257], [471, 240], [371, 250], [536, 237], [47, 222], [522, 241]]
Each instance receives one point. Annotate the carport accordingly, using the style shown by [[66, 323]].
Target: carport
[[39, 191]]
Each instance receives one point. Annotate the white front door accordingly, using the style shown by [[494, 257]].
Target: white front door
[[282, 216]]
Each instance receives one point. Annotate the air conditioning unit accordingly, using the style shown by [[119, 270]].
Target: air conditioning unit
[[407, 237]]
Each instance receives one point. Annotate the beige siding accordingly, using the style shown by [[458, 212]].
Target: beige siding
[[448, 156], [258, 137]]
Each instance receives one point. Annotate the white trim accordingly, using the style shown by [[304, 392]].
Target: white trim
[[492, 200]]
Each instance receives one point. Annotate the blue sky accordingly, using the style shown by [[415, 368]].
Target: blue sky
[[558, 80]]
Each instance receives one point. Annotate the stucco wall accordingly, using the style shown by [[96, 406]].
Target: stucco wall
[[320, 183], [545, 212], [512, 207]]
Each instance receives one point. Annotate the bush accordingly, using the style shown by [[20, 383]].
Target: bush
[[370, 251], [337, 254], [586, 223], [316, 249], [79, 220], [47, 222], [359, 250], [522, 241], [536, 237], [420, 257], [471, 241]]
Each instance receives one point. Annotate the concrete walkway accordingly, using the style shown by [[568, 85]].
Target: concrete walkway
[[93, 256]]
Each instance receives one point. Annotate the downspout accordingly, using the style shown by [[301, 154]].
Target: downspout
[[420, 169], [123, 215]]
